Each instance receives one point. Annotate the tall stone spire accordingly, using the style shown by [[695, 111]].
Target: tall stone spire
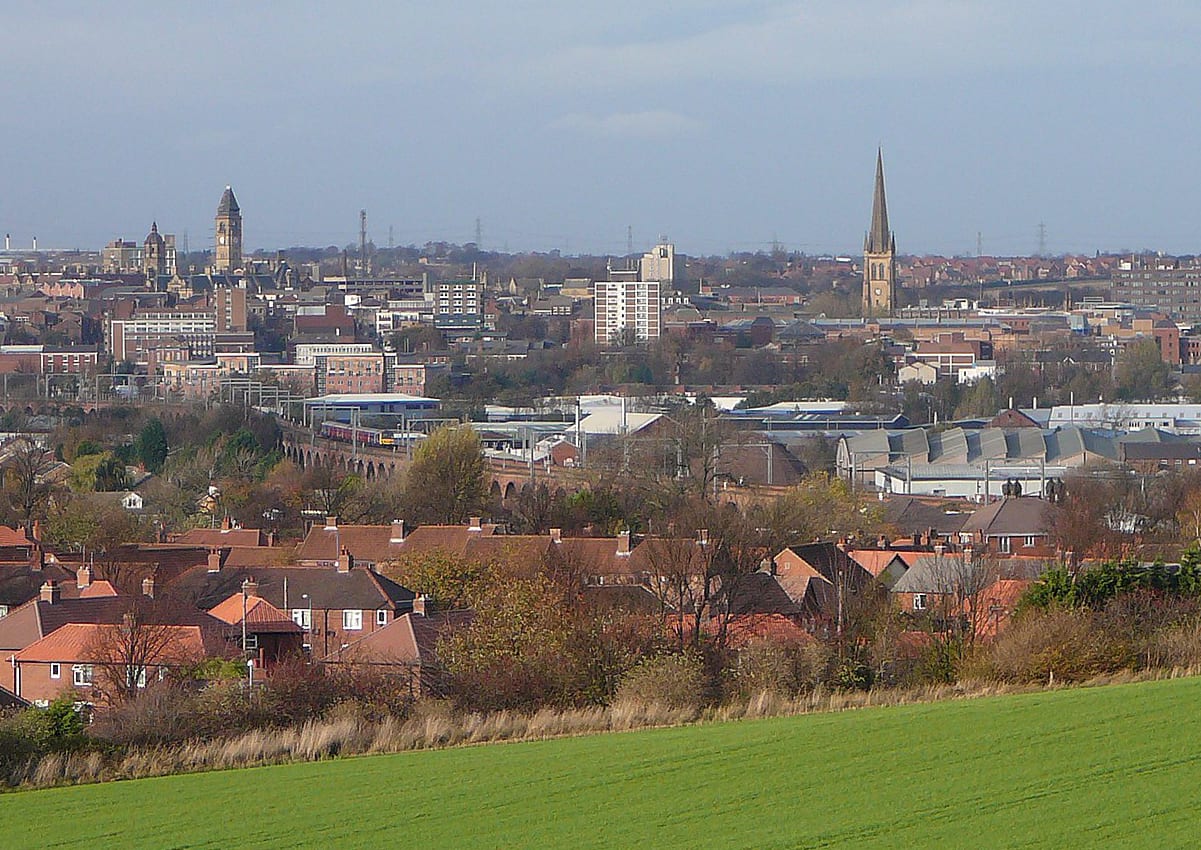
[[879, 239], [879, 255]]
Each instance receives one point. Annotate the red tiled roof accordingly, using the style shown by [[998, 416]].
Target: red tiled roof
[[261, 615], [98, 589], [222, 537], [84, 642], [12, 537]]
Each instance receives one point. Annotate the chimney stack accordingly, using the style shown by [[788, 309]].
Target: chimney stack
[[939, 549], [214, 560], [148, 586], [398, 531], [226, 524], [419, 602], [556, 535], [251, 587], [50, 592], [702, 536], [83, 577], [475, 524], [37, 531], [331, 522], [345, 561], [623, 542]]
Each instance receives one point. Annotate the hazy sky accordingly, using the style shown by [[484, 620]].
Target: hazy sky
[[721, 124]]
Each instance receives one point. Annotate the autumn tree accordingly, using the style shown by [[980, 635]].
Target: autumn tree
[[128, 655], [447, 481], [450, 581]]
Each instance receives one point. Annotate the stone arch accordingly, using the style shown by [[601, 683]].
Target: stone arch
[[510, 491], [495, 491]]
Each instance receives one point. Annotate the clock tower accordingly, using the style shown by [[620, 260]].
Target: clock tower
[[228, 247]]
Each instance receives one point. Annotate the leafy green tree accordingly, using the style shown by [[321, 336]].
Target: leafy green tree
[[447, 482], [1141, 372], [152, 446]]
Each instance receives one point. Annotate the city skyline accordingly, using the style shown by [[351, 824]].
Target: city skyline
[[742, 125]]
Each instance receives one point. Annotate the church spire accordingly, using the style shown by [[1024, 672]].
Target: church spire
[[879, 239]]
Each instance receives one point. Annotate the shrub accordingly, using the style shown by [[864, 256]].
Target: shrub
[[676, 680], [1064, 642]]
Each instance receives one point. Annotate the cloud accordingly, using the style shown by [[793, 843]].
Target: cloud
[[648, 124]]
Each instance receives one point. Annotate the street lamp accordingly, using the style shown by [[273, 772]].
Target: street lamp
[[308, 623]]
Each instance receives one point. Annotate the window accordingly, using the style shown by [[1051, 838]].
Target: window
[[300, 616], [135, 676], [81, 675], [1031, 541], [919, 602], [56, 670], [4, 608], [381, 617], [352, 620]]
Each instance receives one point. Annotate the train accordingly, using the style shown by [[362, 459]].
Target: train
[[387, 438]]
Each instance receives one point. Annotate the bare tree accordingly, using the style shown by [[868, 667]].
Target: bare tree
[[26, 478], [130, 654], [958, 581]]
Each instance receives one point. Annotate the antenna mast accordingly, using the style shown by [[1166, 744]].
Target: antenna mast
[[362, 243]]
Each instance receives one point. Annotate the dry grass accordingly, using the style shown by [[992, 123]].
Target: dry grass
[[434, 726]]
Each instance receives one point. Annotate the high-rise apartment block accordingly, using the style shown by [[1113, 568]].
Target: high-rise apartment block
[[627, 311], [1168, 285]]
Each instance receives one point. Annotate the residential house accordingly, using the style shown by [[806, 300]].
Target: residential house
[[406, 648]]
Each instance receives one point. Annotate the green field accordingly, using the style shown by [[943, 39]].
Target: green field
[[1101, 767]]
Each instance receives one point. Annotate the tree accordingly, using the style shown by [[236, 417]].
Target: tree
[[447, 481], [26, 478], [1141, 372], [100, 473], [449, 581], [152, 446], [129, 654]]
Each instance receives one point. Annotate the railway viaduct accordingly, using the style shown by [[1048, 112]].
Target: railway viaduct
[[507, 478]]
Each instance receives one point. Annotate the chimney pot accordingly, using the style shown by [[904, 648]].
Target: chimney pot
[[50, 592]]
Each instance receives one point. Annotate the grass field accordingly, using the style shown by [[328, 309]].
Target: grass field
[[1101, 767]]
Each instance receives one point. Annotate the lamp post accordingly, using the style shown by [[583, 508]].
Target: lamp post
[[308, 623], [249, 660]]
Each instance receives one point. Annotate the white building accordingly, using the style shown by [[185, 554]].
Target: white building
[[308, 352], [625, 307]]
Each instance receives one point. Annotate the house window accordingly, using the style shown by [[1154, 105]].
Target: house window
[[300, 616], [352, 620], [56, 670], [919, 602], [381, 617], [3, 611], [1003, 544], [1031, 540], [81, 675], [135, 676]]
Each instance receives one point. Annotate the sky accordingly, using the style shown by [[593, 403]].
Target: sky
[[724, 125]]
